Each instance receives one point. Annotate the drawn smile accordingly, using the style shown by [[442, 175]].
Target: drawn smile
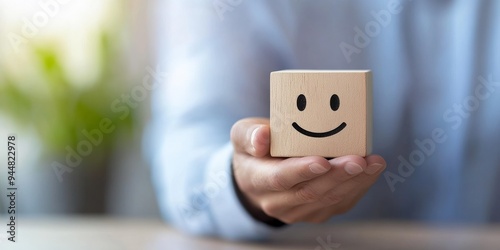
[[319, 135]]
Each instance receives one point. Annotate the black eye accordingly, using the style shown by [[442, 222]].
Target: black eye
[[334, 102], [301, 102]]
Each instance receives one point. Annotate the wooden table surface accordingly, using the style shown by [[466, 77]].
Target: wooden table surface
[[92, 233]]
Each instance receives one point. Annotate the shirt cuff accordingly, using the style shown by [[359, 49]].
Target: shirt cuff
[[231, 218]]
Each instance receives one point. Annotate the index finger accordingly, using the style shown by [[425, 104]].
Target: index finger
[[282, 174]]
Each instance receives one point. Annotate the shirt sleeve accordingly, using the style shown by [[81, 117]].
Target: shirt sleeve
[[214, 77]]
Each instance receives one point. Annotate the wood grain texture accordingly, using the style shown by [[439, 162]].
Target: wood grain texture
[[317, 125]]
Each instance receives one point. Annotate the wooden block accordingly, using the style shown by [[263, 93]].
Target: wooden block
[[321, 112]]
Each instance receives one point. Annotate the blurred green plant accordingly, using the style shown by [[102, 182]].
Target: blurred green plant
[[59, 117]]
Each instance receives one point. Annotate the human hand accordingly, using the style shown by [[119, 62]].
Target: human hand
[[306, 189]]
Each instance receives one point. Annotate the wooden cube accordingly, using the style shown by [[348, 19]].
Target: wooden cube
[[321, 112]]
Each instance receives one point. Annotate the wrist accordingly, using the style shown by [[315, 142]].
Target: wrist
[[254, 211]]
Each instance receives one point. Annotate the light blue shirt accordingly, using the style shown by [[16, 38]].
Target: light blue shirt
[[436, 76]]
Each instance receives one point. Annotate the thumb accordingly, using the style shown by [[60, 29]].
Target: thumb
[[251, 136]]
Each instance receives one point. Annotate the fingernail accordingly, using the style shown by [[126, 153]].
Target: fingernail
[[317, 168], [353, 168], [253, 137], [374, 168]]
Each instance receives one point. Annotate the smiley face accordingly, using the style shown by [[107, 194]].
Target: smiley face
[[320, 112], [334, 106]]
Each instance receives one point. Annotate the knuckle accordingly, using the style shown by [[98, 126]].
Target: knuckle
[[270, 208], [344, 177], [359, 180], [255, 183], [277, 182], [304, 173], [332, 199], [289, 219], [246, 186], [307, 194]]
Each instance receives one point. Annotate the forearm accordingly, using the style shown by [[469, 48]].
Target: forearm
[[196, 193], [214, 79]]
